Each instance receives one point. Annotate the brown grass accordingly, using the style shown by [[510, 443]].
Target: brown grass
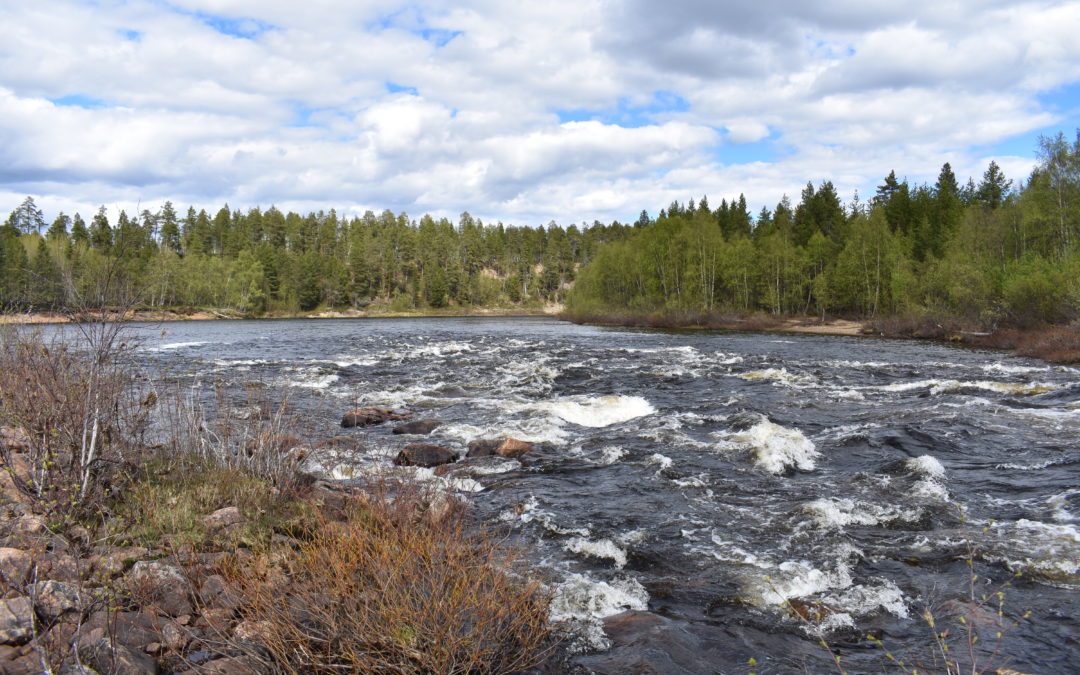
[[388, 591], [1057, 344], [686, 319]]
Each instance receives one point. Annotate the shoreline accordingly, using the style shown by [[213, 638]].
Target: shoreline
[[1053, 344], [1057, 344], [203, 314]]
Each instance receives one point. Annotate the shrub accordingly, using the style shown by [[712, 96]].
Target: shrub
[[81, 412], [389, 591]]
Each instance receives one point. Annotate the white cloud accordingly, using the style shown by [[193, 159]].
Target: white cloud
[[296, 108]]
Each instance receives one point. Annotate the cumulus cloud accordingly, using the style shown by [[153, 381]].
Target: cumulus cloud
[[445, 106]]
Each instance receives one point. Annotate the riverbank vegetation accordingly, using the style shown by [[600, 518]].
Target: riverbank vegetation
[[144, 528], [981, 256]]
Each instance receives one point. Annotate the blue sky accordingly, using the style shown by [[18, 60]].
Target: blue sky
[[567, 110]]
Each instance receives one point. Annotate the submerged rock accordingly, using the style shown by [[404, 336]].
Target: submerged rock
[[370, 416], [418, 427], [425, 454]]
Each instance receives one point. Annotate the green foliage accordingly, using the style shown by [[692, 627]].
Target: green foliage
[[274, 261], [983, 253]]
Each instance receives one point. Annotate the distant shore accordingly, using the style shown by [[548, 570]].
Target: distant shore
[[204, 314], [1052, 343]]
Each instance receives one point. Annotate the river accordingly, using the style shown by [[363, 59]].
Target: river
[[753, 493]]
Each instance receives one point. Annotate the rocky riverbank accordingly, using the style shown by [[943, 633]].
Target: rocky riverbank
[[185, 567]]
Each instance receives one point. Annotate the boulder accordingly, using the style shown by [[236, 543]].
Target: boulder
[[174, 637], [108, 656], [16, 620], [503, 447], [59, 566], [53, 599], [484, 447], [131, 629], [14, 438], [162, 585], [513, 448], [216, 593], [425, 454], [418, 427], [370, 416], [223, 518], [14, 566]]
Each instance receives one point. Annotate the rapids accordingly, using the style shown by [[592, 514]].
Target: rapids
[[753, 492]]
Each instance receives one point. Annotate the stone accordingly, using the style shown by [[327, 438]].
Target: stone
[[253, 631], [504, 447], [418, 427], [369, 416], [136, 630], [15, 566], [16, 620], [483, 447], [162, 585], [513, 448], [223, 518], [425, 454], [174, 637], [109, 656], [53, 599], [216, 593], [58, 566], [14, 438], [29, 525], [116, 561], [215, 622]]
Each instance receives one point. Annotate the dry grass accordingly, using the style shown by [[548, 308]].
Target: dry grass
[[683, 319], [1058, 344], [388, 591]]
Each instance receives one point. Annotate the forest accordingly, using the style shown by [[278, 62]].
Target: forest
[[993, 252], [269, 261], [989, 252]]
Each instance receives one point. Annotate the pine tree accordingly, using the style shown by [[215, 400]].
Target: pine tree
[[27, 217]]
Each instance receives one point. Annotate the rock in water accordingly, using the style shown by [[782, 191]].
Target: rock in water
[[425, 454], [419, 427], [366, 417], [513, 448], [503, 447]]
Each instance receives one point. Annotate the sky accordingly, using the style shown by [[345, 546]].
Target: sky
[[520, 112]]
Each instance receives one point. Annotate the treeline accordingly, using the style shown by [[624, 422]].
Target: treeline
[[262, 261], [988, 252]]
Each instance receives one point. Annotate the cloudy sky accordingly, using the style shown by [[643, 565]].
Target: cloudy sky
[[524, 112]]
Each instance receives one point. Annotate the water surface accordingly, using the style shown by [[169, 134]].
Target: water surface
[[719, 480]]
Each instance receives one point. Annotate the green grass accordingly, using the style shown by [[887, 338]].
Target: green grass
[[166, 506]]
